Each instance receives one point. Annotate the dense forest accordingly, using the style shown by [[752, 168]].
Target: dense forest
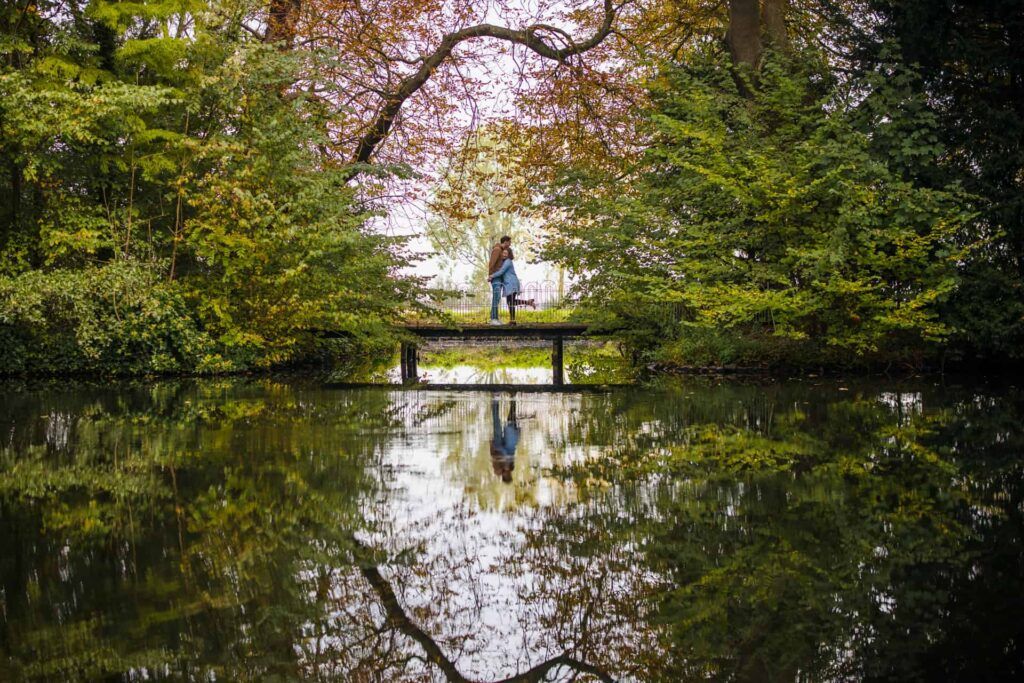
[[201, 185]]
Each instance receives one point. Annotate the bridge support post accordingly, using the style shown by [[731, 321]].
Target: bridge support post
[[410, 372], [557, 376]]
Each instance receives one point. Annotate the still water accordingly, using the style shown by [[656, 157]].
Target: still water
[[264, 530]]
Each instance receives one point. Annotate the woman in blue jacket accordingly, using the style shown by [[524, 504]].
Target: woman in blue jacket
[[506, 274]]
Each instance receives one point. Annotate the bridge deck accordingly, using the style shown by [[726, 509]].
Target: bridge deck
[[479, 331]]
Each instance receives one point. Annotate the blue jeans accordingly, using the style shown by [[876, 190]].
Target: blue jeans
[[495, 299]]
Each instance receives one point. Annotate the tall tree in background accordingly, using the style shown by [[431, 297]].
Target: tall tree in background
[[483, 199], [401, 65]]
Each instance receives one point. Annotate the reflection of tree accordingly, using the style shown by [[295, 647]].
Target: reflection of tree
[[552, 608], [222, 522], [208, 513], [827, 539], [435, 654], [199, 531]]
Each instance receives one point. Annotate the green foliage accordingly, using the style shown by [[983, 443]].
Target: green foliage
[[125, 142], [282, 248], [248, 525], [704, 531], [782, 515], [117, 318], [967, 74], [764, 222]]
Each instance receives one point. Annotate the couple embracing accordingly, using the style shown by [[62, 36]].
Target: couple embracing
[[501, 273]]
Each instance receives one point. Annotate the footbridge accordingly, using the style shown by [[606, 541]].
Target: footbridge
[[556, 332], [542, 312]]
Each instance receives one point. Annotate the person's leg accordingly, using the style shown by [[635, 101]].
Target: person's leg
[[495, 298], [511, 298]]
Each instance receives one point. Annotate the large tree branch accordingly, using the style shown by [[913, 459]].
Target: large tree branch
[[539, 673], [398, 618], [529, 37]]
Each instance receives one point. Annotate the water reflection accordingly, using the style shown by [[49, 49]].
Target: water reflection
[[256, 530], [471, 374], [504, 440]]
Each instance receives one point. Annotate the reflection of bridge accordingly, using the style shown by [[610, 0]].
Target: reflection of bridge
[[556, 332]]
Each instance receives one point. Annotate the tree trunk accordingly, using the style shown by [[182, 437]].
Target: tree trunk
[[744, 34], [282, 18], [11, 227], [773, 15]]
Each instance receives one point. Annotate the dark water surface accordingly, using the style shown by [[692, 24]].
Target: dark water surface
[[261, 530]]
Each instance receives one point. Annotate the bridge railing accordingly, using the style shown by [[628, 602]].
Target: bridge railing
[[536, 302]]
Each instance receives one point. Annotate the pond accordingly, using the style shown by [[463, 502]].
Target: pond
[[282, 530]]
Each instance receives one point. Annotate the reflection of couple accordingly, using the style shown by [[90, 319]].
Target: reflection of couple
[[501, 273], [504, 442]]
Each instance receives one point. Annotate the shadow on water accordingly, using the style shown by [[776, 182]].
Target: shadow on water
[[241, 530]]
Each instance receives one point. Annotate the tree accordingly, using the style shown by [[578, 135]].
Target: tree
[[970, 77], [763, 212], [390, 53], [156, 138], [482, 198]]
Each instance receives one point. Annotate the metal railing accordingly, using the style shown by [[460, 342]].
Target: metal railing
[[546, 302]]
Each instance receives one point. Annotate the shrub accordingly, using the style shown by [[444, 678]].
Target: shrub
[[118, 319]]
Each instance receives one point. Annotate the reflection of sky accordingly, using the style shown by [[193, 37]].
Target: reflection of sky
[[443, 497], [469, 374], [447, 458]]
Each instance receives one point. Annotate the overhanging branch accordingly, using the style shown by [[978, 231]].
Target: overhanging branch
[[530, 37]]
